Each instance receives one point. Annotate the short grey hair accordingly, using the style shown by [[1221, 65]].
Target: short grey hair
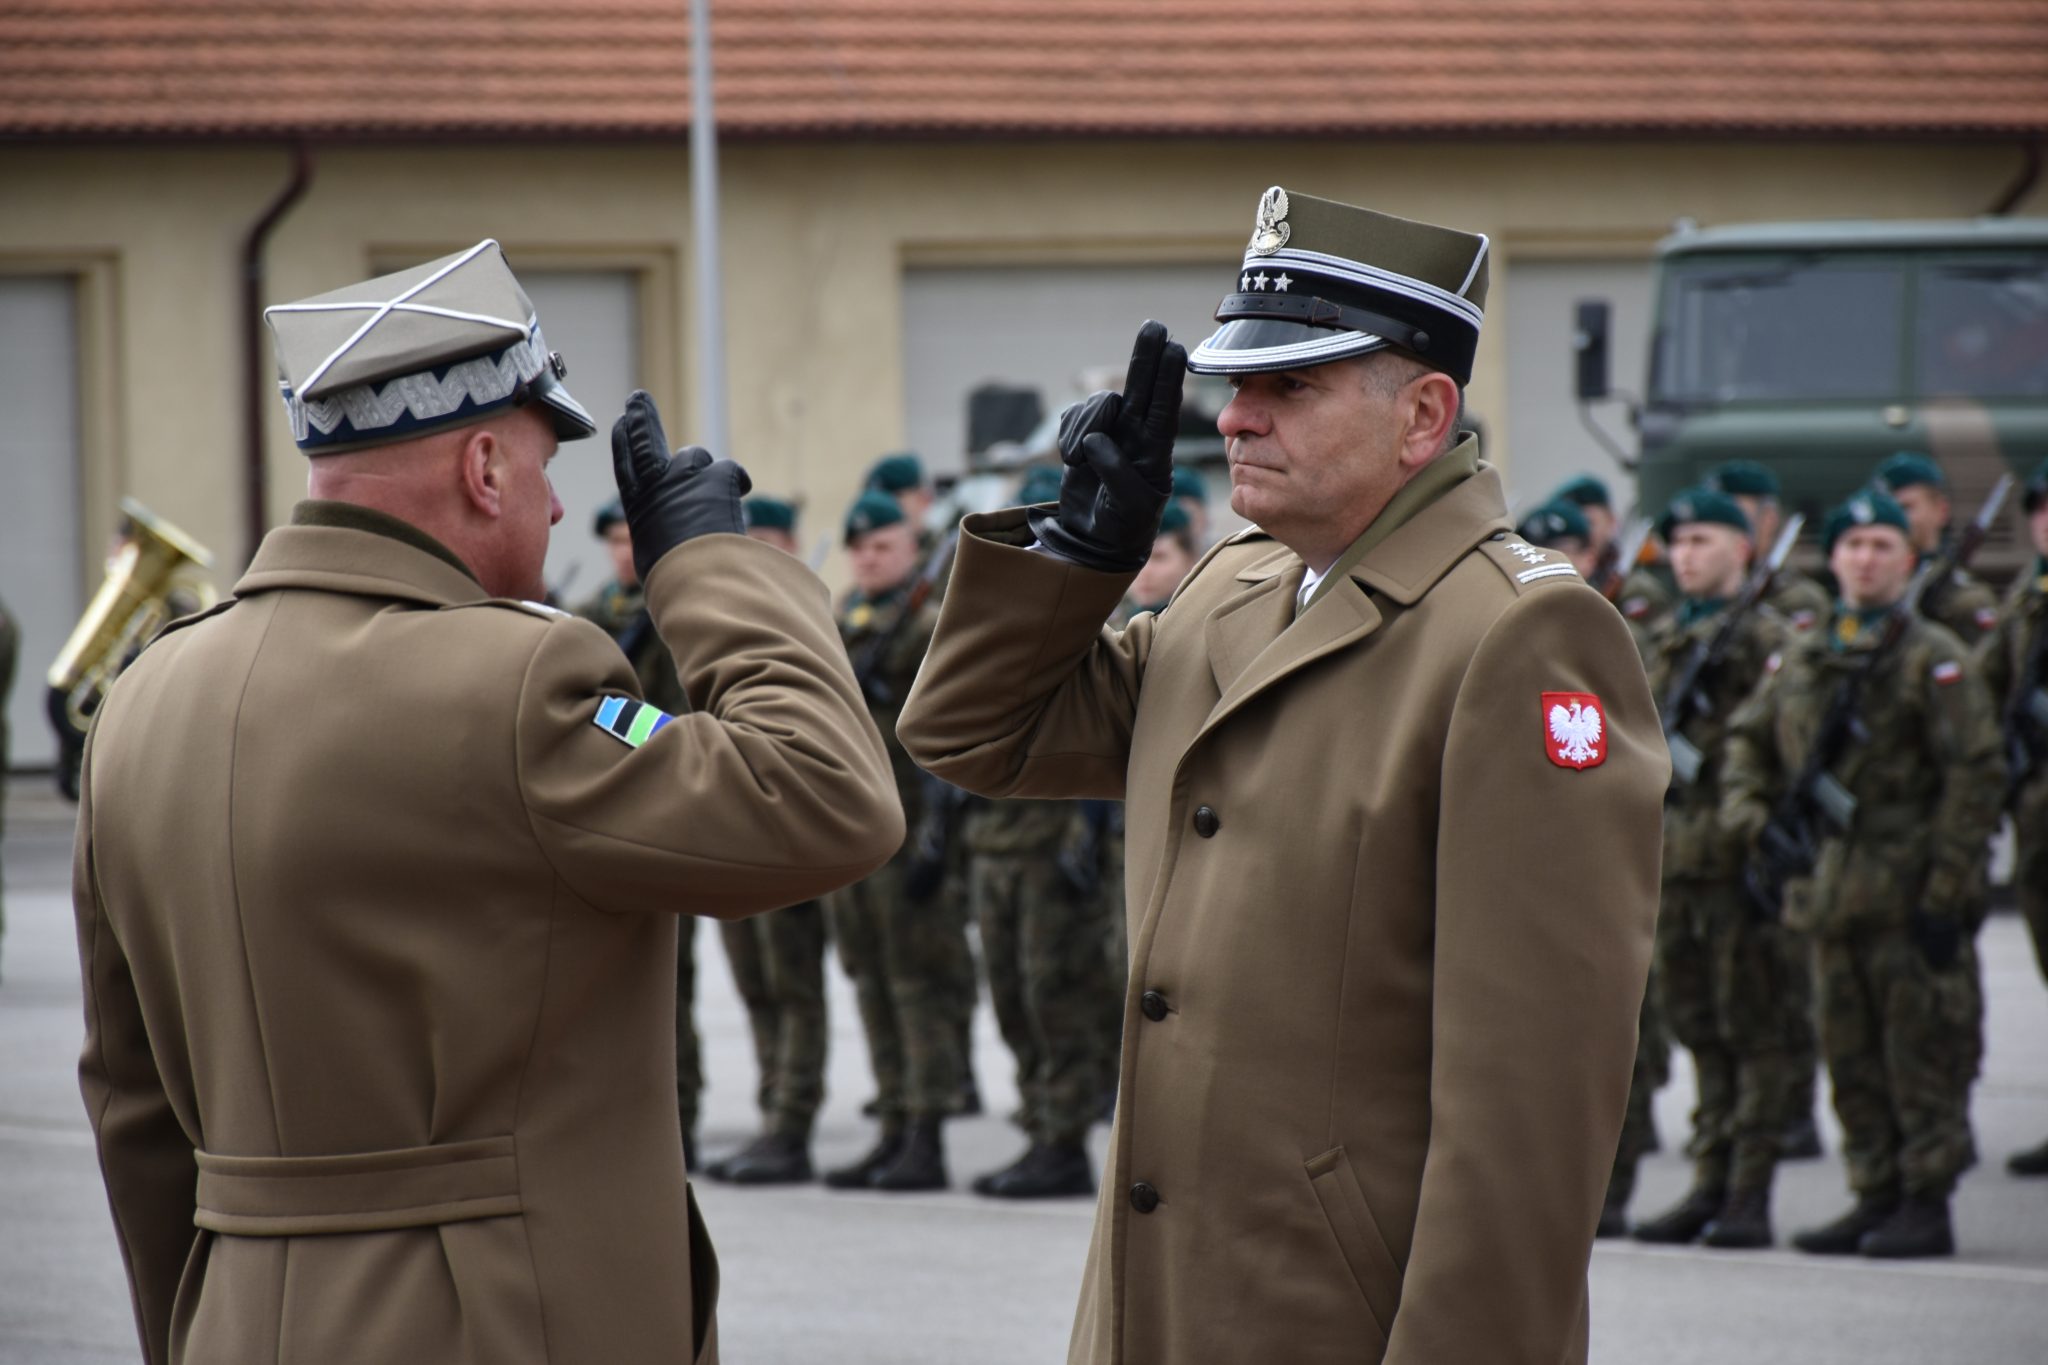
[[1387, 372]]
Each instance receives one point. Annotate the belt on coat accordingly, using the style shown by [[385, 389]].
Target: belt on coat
[[409, 1187]]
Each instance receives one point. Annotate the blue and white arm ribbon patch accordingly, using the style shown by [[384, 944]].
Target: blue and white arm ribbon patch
[[630, 722]]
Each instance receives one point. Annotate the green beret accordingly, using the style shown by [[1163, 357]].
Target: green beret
[[1746, 478], [1584, 491], [1696, 505], [608, 516], [1907, 468], [1555, 521], [1041, 484], [1864, 509], [1188, 484], [1175, 520], [2035, 488], [770, 514], [871, 511], [898, 473]]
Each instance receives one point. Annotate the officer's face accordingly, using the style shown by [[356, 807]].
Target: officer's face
[[1707, 559], [1926, 513], [618, 543], [882, 559], [1872, 564]]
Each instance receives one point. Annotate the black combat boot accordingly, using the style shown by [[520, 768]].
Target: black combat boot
[[1920, 1228], [1800, 1141], [981, 1183], [861, 1174], [720, 1168], [1051, 1170], [2033, 1161], [1683, 1221], [1743, 1224], [772, 1159], [920, 1164], [1845, 1234]]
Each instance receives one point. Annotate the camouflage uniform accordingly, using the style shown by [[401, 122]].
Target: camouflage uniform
[[906, 958], [2003, 658], [620, 612], [1927, 780], [1644, 599], [1802, 602], [1721, 970], [778, 966], [1968, 607]]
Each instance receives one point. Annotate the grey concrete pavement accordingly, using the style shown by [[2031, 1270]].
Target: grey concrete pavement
[[952, 1278]]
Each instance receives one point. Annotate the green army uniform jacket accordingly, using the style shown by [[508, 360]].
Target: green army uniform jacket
[[886, 658], [616, 610], [1966, 605], [1926, 779], [1697, 846], [1644, 599], [1802, 602], [2003, 658]]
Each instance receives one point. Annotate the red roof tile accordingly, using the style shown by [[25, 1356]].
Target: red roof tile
[[349, 69]]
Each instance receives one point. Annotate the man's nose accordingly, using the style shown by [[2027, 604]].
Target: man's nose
[[554, 506], [1242, 416]]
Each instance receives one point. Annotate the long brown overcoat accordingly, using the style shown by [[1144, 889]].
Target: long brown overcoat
[[379, 941], [1386, 951]]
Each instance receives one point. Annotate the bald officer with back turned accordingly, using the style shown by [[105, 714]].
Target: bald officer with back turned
[[379, 865], [1393, 781]]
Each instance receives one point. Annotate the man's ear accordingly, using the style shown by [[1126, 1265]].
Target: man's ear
[[480, 465], [1434, 410]]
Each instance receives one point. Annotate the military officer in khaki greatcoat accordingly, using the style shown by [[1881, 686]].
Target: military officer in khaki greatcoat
[[1393, 781], [378, 869]]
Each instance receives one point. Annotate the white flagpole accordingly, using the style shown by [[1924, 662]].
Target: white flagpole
[[712, 427]]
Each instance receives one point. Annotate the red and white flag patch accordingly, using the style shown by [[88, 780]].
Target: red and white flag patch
[[1574, 729], [1947, 671]]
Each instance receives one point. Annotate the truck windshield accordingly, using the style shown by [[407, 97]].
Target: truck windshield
[[1983, 330], [1763, 331]]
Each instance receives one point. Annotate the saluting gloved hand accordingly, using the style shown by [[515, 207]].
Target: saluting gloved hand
[[1118, 452], [669, 500], [1938, 937]]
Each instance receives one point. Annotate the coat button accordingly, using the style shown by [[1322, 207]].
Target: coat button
[[1152, 1005], [1206, 823], [1144, 1198]]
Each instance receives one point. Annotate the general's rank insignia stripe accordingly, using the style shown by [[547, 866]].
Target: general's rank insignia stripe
[[630, 722]]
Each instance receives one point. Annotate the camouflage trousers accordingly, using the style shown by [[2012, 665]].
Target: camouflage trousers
[[689, 1055], [1728, 984], [905, 962], [1050, 979], [1897, 1036], [778, 966]]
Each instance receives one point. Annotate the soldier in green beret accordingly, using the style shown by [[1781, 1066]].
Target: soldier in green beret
[[903, 946], [1794, 596], [1562, 526], [1963, 604], [1889, 902], [778, 967], [2015, 662], [1720, 972], [1642, 592], [1191, 496]]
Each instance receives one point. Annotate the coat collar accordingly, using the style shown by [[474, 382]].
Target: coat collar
[[355, 554]]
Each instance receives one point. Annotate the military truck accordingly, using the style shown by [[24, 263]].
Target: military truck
[[1821, 348]]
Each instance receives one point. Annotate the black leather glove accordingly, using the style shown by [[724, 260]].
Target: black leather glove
[[1118, 452], [670, 500], [1938, 937]]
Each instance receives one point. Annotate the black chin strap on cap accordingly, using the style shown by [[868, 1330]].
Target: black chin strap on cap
[[1444, 341]]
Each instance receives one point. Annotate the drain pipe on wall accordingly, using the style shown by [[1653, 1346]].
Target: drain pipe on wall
[[2022, 185], [258, 389]]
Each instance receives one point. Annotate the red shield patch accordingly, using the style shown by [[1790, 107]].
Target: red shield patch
[[1574, 729]]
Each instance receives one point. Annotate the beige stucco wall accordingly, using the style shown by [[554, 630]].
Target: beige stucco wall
[[816, 237]]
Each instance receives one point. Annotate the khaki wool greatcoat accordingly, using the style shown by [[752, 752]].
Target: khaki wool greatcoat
[[378, 932], [1386, 954]]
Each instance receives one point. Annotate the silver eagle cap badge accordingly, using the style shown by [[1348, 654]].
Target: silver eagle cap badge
[[1270, 231]]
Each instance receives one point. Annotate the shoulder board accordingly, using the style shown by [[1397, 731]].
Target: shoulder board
[[1526, 565], [518, 604], [194, 619]]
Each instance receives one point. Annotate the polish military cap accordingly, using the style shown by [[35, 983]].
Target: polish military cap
[[1174, 520], [608, 516], [1584, 491], [1864, 509], [871, 511], [1188, 484], [1555, 521], [1745, 478], [770, 514], [441, 345], [1041, 484], [1709, 505], [897, 473], [1324, 281], [2035, 489], [1907, 468]]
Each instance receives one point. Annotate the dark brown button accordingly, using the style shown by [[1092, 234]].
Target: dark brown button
[[1144, 1198], [1206, 823], [1152, 1005]]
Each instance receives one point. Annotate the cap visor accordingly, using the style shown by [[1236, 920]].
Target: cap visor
[[1249, 345], [572, 422]]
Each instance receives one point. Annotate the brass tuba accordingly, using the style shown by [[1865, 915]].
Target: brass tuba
[[155, 562]]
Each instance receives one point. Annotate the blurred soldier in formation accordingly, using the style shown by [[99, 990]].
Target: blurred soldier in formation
[[1888, 902], [2015, 664], [1720, 969], [1191, 496], [778, 966], [619, 609], [1967, 607], [1562, 526], [1642, 591], [902, 945]]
